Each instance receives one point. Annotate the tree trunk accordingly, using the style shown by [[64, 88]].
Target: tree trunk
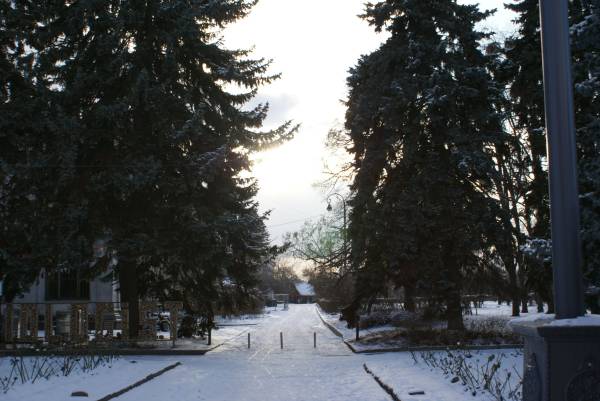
[[369, 306], [453, 300], [409, 298], [550, 305], [515, 295], [515, 305], [540, 303], [524, 307], [129, 293], [454, 312], [350, 313]]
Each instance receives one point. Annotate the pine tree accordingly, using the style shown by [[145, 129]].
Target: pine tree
[[150, 138], [585, 33], [523, 74], [421, 117], [33, 231], [525, 79]]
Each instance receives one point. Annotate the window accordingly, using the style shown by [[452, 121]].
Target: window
[[67, 285]]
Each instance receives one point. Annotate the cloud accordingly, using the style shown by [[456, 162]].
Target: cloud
[[281, 107]]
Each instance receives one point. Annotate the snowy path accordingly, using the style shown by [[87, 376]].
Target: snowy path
[[265, 372]]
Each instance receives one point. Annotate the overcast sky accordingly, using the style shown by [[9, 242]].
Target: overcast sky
[[313, 43]]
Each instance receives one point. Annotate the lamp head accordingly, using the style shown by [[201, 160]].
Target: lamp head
[[329, 208]]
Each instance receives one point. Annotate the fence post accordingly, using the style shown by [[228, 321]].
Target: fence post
[[209, 336], [281, 339], [315, 339], [248, 340], [357, 328]]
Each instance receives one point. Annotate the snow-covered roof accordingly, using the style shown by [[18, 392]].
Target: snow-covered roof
[[305, 289]]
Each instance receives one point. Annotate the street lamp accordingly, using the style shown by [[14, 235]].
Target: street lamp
[[329, 209]]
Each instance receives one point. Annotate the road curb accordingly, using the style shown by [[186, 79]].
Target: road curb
[[334, 330], [329, 325], [139, 382], [388, 389]]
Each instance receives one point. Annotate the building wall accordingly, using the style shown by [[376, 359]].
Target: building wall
[[36, 293], [100, 291]]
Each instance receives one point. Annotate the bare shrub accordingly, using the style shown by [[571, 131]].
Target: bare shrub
[[31, 369], [491, 375]]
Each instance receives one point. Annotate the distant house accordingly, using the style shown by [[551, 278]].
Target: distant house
[[302, 293]]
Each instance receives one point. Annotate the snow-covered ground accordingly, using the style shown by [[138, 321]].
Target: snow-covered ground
[[400, 372], [490, 317], [497, 316], [350, 334], [97, 383], [264, 372], [227, 329]]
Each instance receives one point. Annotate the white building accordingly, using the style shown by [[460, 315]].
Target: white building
[[70, 287]]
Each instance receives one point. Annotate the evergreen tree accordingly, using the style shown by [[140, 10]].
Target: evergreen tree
[[28, 127], [586, 73], [421, 118], [523, 74], [150, 138]]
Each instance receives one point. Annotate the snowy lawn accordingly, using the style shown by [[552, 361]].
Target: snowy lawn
[[350, 334], [97, 383], [443, 376], [488, 320]]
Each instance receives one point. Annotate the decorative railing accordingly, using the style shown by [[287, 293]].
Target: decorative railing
[[86, 323]]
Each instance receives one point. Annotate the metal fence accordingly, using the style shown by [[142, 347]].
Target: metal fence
[[86, 323]]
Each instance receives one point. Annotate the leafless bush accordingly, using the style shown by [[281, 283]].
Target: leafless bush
[[496, 324], [490, 375], [31, 369]]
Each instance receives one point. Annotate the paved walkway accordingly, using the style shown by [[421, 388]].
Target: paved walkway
[[265, 372]]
